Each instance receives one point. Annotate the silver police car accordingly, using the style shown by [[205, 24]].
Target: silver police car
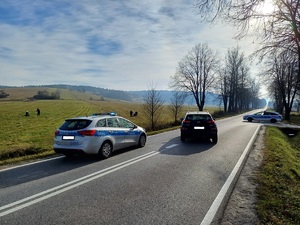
[[264, 116], [99, 134]]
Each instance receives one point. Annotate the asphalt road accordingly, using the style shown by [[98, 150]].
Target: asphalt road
[[166, 182]]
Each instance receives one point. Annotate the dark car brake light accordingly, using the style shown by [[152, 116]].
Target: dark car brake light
[[56, 132], [186, 121], [87, 132], [210, 121]]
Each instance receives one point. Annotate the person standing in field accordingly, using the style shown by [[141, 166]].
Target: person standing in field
[[38, 112]]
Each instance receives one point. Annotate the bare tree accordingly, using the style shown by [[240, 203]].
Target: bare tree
[[222, 87], [237, 89], [196, 73], [177, 103], [284, 73], [152, 106]]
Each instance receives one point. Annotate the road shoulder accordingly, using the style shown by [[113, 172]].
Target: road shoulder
[[241, 207]]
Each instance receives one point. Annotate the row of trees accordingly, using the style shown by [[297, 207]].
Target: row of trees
[[201, 70], [46, 95], [276, 26]]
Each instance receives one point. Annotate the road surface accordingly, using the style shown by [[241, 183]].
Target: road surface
[[166, 182]]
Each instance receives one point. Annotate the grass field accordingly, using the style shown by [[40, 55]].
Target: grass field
[[279, 178]]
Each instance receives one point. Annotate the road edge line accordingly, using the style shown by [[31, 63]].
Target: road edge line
[[212, 216]]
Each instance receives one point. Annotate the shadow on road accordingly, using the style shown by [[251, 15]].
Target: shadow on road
[[190, 147], [30, 172], [37, 171]]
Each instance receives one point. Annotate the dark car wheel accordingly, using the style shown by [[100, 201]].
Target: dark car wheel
[[215, 139], [142, 141], [273, 120], [182, 138], [105, 150], [250, 119]]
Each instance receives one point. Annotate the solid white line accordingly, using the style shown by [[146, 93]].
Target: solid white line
[[32, 163], [208, 219], [70, 185]]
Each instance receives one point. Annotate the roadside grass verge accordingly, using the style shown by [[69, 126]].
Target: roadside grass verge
[[279, 178]]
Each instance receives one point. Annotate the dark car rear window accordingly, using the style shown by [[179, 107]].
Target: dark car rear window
[[75, 124], [198, 117]]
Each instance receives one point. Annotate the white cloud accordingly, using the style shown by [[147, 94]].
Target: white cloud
[[122, 45]]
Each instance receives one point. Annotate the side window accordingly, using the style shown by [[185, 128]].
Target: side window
[[112, 122], [101, 123], [125, 123]]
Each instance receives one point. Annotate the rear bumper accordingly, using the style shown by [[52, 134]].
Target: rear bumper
[[197, 134]]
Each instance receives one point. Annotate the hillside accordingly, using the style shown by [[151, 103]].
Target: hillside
[[26, 93], [95, 93], [72, 92]]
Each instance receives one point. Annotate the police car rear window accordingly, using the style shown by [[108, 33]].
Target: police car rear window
[[75, 124]]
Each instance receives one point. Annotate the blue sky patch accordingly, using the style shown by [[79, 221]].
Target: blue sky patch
[[101, 46]]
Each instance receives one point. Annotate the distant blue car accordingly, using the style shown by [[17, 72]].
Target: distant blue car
[[264, 116]]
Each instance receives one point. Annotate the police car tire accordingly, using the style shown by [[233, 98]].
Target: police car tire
[[68, 155], [249, 119], [142, 140], [105, 150], [273, 120]]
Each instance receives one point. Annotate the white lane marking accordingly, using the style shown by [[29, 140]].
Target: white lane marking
[[27, 164], [208, 219], [15, 206], [172, 146]]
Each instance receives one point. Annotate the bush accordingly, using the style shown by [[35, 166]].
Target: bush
[[46, 95], [3, 94]]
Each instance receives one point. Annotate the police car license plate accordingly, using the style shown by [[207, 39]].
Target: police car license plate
[[199, 128], [68, 137]]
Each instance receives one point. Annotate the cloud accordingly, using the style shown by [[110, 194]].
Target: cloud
[[121, 45]]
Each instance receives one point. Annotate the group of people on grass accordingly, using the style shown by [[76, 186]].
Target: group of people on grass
[[38, 112]]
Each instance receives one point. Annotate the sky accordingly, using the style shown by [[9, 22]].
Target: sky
[[114, 44]]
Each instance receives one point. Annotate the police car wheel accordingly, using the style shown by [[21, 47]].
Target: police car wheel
[[250, 119], [142, 140], [273, 120], [68, 155], [105, 150]]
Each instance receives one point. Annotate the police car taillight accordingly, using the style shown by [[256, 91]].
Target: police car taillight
[[56, 132], [87, 132]]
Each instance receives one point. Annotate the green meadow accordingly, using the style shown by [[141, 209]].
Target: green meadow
[[279, 178]]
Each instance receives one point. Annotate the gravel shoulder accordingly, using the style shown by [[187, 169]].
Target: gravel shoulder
[[241, 206]]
